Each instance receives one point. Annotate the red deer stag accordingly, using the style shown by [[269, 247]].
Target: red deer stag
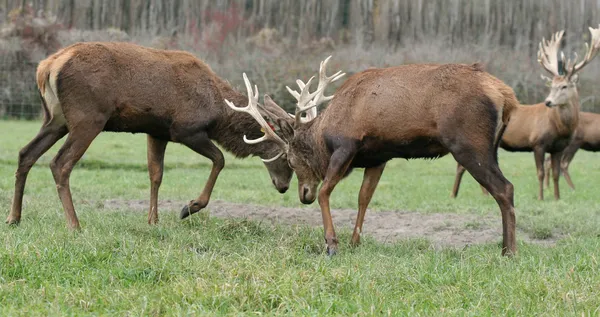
[[548, 126], [586, 137], [409, 111], [88, 88]]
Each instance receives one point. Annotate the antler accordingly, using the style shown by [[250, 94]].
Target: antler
[[252, 109], [307, 102], [591, 51], [548, 53]]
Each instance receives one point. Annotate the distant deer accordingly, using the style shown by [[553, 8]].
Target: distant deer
[[549, 126], [88, 88], [587, 137], [409, 111]]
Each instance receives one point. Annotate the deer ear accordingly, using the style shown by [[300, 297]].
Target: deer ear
[[574, 79], [285, 129]]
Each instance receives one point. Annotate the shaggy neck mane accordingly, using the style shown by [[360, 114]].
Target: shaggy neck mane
[[233, 125], [568, 116], [313, 149]]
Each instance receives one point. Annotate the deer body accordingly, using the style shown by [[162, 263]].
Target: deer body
[[547, 127], [371, 110], [409, 111], [172, 96], [586, 137], [533, 126]]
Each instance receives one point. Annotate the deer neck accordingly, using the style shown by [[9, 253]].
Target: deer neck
[[567, 116], [232, 126], [315, 141]]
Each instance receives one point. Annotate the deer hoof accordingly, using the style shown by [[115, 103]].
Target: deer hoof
[[331, 250], [12, 221], [185, 212]]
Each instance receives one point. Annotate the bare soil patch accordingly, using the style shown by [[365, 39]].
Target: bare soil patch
[[442, 229]]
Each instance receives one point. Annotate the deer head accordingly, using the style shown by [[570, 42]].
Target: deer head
[[290, 137], [563, 85]]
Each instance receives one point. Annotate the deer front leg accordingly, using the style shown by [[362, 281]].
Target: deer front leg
[[547, 172], [202, 145], [555, 159], [460, 171], [338, 165], [370, 180], [156, 159], [538, 154]]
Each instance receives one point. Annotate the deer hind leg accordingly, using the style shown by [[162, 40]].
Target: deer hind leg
[[370, 180], [484, 168], [460, 171], [555, 160], [568, 155], [156, 159], [564, 167], [538, 155], [205, 147], [79, 139], [48, 135]]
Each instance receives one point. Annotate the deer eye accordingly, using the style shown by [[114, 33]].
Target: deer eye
[[563, 87]]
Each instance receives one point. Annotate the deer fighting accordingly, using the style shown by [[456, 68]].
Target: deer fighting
[[171, 96], [409, 111]]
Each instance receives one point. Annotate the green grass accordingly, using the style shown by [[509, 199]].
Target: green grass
[[118, 265]]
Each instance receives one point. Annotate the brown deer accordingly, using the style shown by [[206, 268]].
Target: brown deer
[[586, 137], [549, 126], [88, 88], [408, 111]]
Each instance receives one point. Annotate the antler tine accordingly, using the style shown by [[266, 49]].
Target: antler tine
[[252, 109], [324, 81], [548, 53], [307, 102], [591, 52]]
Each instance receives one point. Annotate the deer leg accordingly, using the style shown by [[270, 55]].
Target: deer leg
[[156, 158], [338, 165], [205, 147], [547, 172], [460, 171], [77, 143], [538, 154], [564, 166], [568, 155], [370, 180], [555, 159], [484, 191], [488, 174], [48, 135]]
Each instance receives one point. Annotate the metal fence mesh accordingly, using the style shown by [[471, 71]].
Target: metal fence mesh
[[19, 98]]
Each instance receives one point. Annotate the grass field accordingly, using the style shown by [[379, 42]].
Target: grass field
[[118, 265]]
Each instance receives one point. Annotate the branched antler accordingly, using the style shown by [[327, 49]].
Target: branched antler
[[252, 109], [591, 50], [307, 102], [548, 53]]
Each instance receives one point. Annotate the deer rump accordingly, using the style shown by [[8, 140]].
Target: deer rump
[[417, 111], [144, 96]]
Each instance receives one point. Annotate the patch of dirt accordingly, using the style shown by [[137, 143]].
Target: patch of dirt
[[442, 229]]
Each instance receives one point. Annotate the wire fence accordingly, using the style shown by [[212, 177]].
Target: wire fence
[[19, 98]]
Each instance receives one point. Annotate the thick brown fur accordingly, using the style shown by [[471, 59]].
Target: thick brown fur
[[172, 96], [409, 111], [586, 137], [540, 129]]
